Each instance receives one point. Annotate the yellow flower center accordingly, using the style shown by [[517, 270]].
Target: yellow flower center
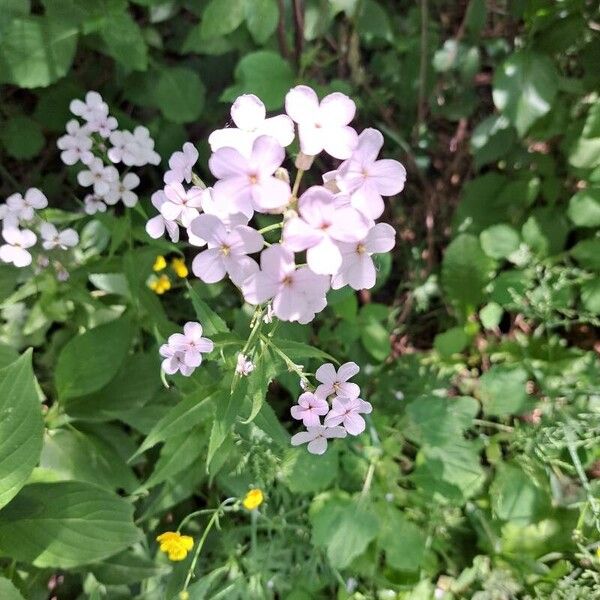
[[175, 545], [253, 499], [360, 249]]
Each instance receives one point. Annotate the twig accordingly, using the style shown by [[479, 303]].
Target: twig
[[298, 29], [283, 47], [423, 65]]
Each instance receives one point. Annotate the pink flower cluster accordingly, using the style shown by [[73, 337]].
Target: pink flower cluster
[[99, 145], [183, 351], [22, 227], [341, 418], [333, 224]]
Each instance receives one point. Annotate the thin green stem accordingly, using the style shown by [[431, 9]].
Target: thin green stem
[[297, 181], [271, 227]]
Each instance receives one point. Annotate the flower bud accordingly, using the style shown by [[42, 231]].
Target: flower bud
[[282, 174], [304, 161]]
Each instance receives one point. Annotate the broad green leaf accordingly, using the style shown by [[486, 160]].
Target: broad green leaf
[[299, 351], [545, 231], [452, 341], [36, 51], [9, 276], [22, 137], [185, 415], [306, 473], [492, 139], [179, 94], [524, 88], [7, 355], [491, 315], [21, 426], [8, 591], [126, 568], [466, 270], [265, 74], [373, 21], [220, 18], [90, 360], [587, 253], [343, 528], [261, 19], [515, 495], [65, 524], [590, 295], [499, 241], [267, 421], [503, 390], [125, 42], [259, 381], [584, 208], [208, 318]]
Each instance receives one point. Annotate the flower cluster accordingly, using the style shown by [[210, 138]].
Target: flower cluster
[[99, 145], [161, 282], [341, 418], [183, 351], [333, 224], [22, 228]]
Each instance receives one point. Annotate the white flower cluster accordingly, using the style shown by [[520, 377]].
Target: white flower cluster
[[19, 220], [341, 418], [333, 223], [99, 145]]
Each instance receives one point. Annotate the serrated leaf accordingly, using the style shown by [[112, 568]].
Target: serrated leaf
[[21, 426]]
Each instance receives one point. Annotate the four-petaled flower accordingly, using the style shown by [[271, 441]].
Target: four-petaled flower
[[24, 207], [175, 545], [316, 436], [122, 190], [310, 408], [157, 225], [244, 366], [336, 382], [324, 125], [15, 249], [346, 412], [181, 164], [191, 343], [99, 176], [181, 204], [67, 238]]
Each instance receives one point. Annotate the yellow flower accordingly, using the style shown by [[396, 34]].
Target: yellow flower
[[159, 264], [175, 545], [253, 499], [160, 285], [598, 551], [178, 265]]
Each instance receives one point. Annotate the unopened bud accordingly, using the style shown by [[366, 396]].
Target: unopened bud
[[282, 174], [304, 161], [198, 182]]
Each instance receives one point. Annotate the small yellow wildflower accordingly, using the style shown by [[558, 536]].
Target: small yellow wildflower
[[175, 545], [253, 499], [598, 551], [178, 265], [160, 285], [159, 264]]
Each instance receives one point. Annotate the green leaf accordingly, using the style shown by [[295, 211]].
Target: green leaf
[[525, 86], [299, 351], [499, 241], [492, 139], [211, 322], [265, 74], [584, 208], [451, 342], [90, 360], [66, 524], [36, 51], [587, 254], [545, 231], [590, 295], [267, 421], [220, 18], [8, 355], [515, 496], [9, 276], [375, 338], [8, 591], [344, 529], [126, 568], [261, 19], [21, 426], [503, 390], [125, 42], [22, 137], [466, 270], [179, 94], [491, 315], [306, 473]]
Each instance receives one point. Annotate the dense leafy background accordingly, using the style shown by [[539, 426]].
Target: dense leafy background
[[479, 346]]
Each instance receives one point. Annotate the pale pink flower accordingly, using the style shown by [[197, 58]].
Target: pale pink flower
[[67, 238], [336, 382], [174, 360], [157, 225], [122, 190], [212, 204], [24, 207], [103, 125], [227, 250], [92, 205], [244, 366], [249, 115], [122, 147], [297, 294], [317, 436], [309, 409], [322, 222], [181, 204], [8, 217], [324, 125], [181, 164], [346, 412], [142, 148], [99, 176], [93, 108], [15, 249], [357, 269], [191, 343], [247, 182], [368, 179], [76, 145]]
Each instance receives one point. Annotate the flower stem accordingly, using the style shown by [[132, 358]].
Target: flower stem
[[271, 227], [297, 181]]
